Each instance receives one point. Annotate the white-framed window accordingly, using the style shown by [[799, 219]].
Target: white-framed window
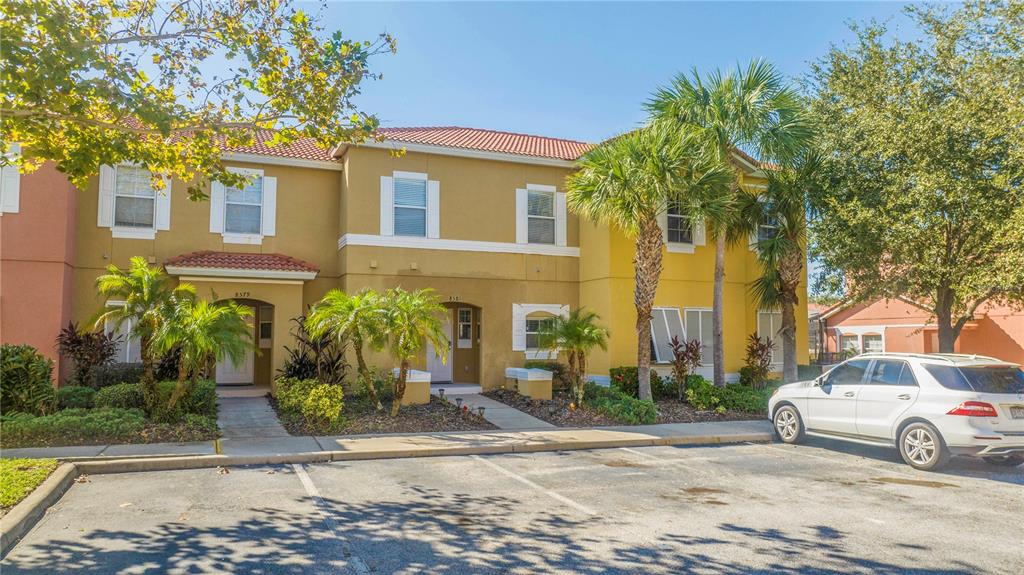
[[526, 329], [678, 229], [540, 217], [128, 348], [768, 325], [535, 326], [850, 343], [410, 207], [767, 229], [266, 326], [872, 342], [666, 323], [244, 214], [465, 328], [10, 181], [134, 198], [699, 326]]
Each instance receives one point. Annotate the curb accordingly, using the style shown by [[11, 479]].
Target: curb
[[23, 516]]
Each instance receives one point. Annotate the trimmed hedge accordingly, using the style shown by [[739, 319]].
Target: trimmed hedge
[[202, 400], [72, 396], [71, 427], [121, 396], [620, 406], [627, 380], [115, 373]]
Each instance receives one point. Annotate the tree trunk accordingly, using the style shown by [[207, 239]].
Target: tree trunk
[[647, 263], [944, 320], [790, 268], [148, 381], [403, 372], [717, 312], [364, 373], [581, 369], [182, 388], [573, 372]]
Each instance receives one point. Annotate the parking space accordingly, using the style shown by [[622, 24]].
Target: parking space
[[820, 508]]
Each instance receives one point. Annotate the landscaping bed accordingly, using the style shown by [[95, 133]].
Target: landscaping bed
[[19, 477]]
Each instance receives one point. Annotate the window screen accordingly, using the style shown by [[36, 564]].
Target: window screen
[[699, 327], [410, 207], [540, 211], [679, 229], [243, 208], [134, 198]]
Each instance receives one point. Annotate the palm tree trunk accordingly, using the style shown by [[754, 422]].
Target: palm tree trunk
[[790, 269], [717, 312], [403, 371], [148, 381], [364, 373], [647, 263], [574, 377], [581, 367]]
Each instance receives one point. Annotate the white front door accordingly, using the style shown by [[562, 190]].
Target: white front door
[[441, 368], [229, 372]]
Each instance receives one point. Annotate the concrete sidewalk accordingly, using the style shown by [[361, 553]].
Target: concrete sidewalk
[[503, 416]]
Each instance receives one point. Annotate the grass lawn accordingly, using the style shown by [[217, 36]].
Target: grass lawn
[[18, 477]]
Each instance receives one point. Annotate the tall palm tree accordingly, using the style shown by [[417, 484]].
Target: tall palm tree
[[780, 246], [357, 319], [145, 291], [751, 109], [576, 335], [202, 331], [411, 320], [627, 183]]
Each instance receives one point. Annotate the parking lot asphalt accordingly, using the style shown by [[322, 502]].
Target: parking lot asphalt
[[825, 507]]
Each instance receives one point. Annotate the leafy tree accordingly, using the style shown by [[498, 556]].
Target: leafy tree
[[359, 319], [921, 194], [627, 182], [202, 331], [751, 109], [576, 335], [146, 292], [778, 218], [411, 319], [170, 85]]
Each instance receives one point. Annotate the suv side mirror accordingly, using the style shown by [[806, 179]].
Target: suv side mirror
[[819, 381]]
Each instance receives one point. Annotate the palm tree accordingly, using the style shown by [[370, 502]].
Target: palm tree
[[411, 320], [576, 335], [750, 109], [202, 331], [145, 291], [781, 251], [627, 183], [358, 319]]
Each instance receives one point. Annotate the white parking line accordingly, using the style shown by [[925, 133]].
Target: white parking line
[[527, 482], [355, 562]]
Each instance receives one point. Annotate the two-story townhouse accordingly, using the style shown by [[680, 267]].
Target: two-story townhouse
[[477, 215]]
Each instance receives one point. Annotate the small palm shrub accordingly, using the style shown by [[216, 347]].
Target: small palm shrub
[[75, 396], [115, 373], [121, 395], [25, 380], [87, 351]]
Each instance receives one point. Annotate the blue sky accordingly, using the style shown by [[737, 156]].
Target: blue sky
[[574, 70]]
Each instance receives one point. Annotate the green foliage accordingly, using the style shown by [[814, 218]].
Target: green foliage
[[19, 477], [319, 404], [120, 395], [87, 350], [71, 427], [411, 320], [626, 380], [291, 392], [72, 396], [191, 427], [686, 358], [922, 192], [116, 373], [201, 399], [25, 380], [705, 396], [315, 357], [559, 376], [758, 362], [620, 406], [157, 104], [575, 335]]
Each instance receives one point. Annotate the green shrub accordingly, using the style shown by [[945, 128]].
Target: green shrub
[[120, 396], [620, 406], [25, 380], [704, 396], [192, 427], [291, 392], [72, 396], [87, 350], [72, 427], [559, 372], [115, 373], [627, 380], [322, 407], [201, 401]]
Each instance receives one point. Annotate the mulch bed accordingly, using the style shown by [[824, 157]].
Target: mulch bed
[[362, 418], [557, 412]]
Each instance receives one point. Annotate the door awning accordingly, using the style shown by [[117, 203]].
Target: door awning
[[240, 265]]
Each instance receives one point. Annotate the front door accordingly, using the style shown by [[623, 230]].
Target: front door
[[832, 406], [228, 372], [441, 368]]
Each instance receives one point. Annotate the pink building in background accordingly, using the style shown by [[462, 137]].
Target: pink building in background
[[897, 326]]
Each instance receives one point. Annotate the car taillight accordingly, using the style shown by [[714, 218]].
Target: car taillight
[[974, 409]]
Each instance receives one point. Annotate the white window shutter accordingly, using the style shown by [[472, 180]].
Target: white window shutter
[[560, 219], [10, 190], [433, 209], [699, 232], [518, 327], [216, 208], [163, 206], [522, 228], [663, 224], [269, 205], [105, 209], [387, 206]]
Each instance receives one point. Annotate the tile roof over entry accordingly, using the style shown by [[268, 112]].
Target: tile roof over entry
[[235, 261], [489, 141]]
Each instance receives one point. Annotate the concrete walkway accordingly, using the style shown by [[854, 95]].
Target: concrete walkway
[[504, 417], [240, 416]]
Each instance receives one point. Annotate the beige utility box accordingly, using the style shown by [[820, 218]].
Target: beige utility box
[[417, 387], [533, 383]]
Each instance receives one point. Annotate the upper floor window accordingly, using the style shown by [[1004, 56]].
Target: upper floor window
[[768, 228], [540, 216], [410, 207], [10, 180], [243, 208], [679, 229], [247, 213], [134, 198]]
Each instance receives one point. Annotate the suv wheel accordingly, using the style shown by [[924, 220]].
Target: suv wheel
[[1005, 460], [922, 447], [788, 425]]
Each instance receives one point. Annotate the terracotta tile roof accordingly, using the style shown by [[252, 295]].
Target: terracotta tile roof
[[489, 141], [302, 149], [237, 261]]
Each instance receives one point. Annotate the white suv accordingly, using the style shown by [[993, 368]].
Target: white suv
[[929, 406]]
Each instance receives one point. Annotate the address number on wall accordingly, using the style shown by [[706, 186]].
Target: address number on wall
[[241, 294], [454, 298]]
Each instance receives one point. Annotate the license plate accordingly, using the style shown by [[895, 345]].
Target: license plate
[[1017, 411]]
